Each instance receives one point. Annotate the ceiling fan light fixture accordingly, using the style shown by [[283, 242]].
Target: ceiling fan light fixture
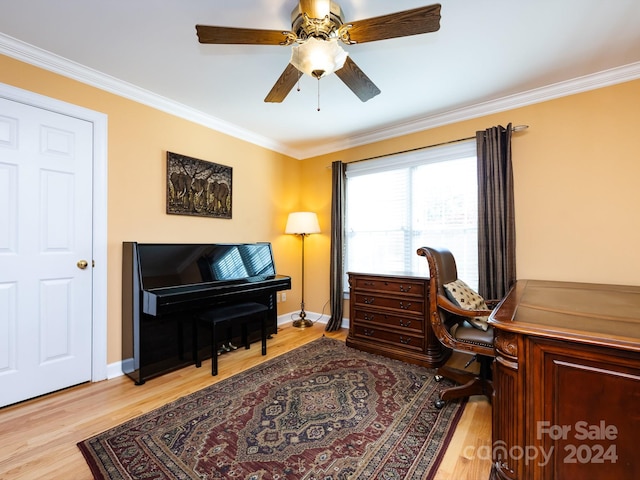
[[316, 55]]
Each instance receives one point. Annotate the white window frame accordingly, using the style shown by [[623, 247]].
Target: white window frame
[[467, 261]]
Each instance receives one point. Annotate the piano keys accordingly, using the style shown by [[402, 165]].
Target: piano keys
[[165, 285]]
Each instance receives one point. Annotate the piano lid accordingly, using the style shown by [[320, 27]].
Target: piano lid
[[171, 265]]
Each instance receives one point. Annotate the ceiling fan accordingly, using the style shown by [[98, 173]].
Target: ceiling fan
[[316, 28]]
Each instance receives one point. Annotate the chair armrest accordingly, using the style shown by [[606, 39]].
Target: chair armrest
[[449, 306]]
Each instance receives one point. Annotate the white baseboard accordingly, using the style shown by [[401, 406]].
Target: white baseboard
[[115, 369], [314, 317]]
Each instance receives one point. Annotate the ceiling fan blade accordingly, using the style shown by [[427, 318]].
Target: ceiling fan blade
[[400, 24], [240, 36], [283, 85], [357, 81]]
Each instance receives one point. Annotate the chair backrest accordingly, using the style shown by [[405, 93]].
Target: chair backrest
[[442, 270], [443, 313], [444, 265]]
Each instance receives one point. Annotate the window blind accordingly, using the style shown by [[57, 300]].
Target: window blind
[[398, 203]]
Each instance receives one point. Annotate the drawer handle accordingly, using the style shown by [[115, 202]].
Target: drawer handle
[[405, 289], [405, 341], [405, 323], [405, 307], [369, 284], [369, 317], [368, 332], [369, 301]]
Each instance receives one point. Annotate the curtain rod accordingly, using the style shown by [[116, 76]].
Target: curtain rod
[[517, 128]]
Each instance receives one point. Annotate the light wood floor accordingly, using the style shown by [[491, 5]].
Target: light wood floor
[[38, 437]]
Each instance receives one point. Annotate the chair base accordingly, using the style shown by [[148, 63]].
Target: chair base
[[469, 383]]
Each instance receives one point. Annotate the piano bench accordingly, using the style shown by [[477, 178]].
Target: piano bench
[[238, 312]]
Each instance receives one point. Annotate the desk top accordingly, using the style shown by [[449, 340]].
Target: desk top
[[606, 315]]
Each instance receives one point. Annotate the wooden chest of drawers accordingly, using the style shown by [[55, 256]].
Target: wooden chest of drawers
[[388, 315]]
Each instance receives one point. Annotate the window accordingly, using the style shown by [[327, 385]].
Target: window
[[397, 204]]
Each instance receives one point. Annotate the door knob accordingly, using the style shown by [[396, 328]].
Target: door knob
[[82, 264]]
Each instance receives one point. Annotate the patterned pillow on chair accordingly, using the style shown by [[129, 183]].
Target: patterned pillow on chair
[[465, 297], [479, 322]]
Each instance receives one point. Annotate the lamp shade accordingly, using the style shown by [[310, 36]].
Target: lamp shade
[[302, 223], [317, 57]]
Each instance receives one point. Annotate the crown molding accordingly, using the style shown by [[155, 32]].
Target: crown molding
[[46, 60], [557, 90], [54, 63]]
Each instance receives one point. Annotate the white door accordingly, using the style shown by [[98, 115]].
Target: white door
[[45, 235]]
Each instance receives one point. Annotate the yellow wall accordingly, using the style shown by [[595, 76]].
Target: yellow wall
[[576, 169], [577, 187], [265, 184]]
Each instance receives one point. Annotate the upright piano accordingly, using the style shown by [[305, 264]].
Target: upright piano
[[165, 285]]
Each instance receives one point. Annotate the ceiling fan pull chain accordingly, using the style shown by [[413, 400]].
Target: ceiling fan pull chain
[[318, 94]]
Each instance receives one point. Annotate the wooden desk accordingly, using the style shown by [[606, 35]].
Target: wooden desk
[[567, 382]]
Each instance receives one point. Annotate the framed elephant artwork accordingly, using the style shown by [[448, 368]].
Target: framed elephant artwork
[[197, 187]]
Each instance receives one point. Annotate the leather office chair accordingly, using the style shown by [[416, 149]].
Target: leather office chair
[[458, 317]]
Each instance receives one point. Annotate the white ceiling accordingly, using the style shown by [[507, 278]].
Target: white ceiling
[[489, 55]]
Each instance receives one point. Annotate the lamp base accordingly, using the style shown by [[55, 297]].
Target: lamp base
[[302, 323]]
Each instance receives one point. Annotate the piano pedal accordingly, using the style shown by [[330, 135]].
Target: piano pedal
[[224, 348]]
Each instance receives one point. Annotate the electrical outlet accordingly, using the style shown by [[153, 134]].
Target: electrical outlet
[[284, 296]]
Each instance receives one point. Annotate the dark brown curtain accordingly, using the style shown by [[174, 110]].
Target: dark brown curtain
[[496, 217], [336, 282]]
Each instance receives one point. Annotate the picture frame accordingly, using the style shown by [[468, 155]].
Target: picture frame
[[197, 187]]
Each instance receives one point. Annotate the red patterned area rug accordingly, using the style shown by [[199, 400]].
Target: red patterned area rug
[[322, 411]]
